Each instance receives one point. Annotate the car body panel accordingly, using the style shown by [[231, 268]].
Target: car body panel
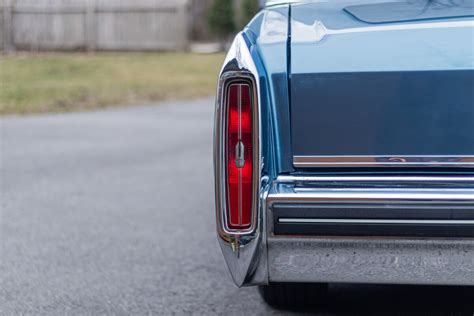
[[362, 90], [379, 114], [269, 31]]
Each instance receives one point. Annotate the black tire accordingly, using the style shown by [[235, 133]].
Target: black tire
[[294, 294]]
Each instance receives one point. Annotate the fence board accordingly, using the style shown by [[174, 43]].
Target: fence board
[[101, 24], [49, 31], [6, 30], [2, 25]]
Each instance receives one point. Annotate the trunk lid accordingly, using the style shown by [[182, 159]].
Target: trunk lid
[[398, 92]]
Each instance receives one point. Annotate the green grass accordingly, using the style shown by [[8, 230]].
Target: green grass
[[33, 83]]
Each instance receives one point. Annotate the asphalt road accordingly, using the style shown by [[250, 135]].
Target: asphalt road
[[111, 212]]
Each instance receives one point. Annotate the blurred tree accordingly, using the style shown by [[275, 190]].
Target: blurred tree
[[249, 9], [221, 19]]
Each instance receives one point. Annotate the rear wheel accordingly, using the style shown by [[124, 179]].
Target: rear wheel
[[293, 294]]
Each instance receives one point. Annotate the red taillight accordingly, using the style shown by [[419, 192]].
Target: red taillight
[[239, 155]]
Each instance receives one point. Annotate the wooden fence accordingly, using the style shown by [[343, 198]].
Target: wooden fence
[[95, 24]]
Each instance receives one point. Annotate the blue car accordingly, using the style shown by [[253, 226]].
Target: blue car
[[344, 146]]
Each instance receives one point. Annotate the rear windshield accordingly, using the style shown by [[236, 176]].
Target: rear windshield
[[411, 11]]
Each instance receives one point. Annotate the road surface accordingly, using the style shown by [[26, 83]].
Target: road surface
[[111, 212]]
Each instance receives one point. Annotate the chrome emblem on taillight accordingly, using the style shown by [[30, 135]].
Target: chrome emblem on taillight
[[239, 154]]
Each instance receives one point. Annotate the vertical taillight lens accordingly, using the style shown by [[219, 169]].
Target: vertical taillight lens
[[239, 155]]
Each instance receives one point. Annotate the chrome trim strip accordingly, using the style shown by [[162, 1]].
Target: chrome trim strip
[[301, 189], [389, 190], [294, 179], [399, 196], [374, 221], [384, 161]]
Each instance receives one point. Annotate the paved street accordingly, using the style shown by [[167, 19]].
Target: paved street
[[111, 212]]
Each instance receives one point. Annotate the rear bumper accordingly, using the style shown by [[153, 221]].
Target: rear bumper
[[386, 230], [371, 260], [394, 230]]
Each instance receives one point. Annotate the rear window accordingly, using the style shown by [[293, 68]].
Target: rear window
[[411, 11]]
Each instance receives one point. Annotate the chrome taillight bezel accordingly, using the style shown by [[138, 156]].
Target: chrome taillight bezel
[[244, 250], [225, 80]]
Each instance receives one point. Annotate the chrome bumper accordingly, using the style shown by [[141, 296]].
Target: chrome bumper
[[377, 206], [371, 260], [434, 257], [409, 248]]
